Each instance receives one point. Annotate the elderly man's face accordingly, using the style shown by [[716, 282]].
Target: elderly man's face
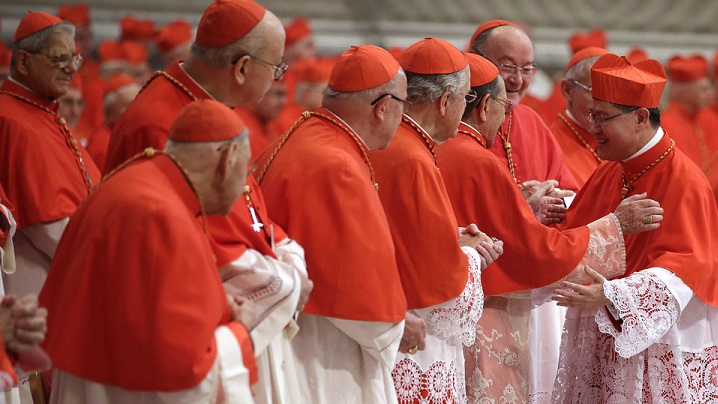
[[46, 78], [617, 137], [273, 102], [578, 97], [512, 48], [496, 116], [71, 106], [457, 105]]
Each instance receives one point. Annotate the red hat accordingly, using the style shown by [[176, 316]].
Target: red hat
[[34, 22], [133, 29], [583, 54], [109, 51], [615, 79], [297, 29], [433, 56], [396, 51], [173, 34], [636, 55], [77, 14], [488, 25], [581, 40], [309, 70], [361, 68], [133, 52], [227, 21], [682, 69], [117, 82], [482, 70], [206, 121]]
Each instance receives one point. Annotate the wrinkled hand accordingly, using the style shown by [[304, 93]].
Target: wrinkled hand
[[29, 322], [580, 296], [242, 310], [630, 213], [489, 248], [545, 200], [414, 333]]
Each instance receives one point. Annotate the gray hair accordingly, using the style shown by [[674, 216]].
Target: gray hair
[[578, 68], [365, 96], [223, 56], [428, 88], [36, 42]]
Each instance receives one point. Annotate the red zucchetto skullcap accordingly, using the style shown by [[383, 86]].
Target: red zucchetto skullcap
[[488, 25], [77, 14], [682, 69], [136, 30], [227, 21], [636, 55], [309, 70], [584, 54], [133, 52], [594, 38], [615, 79], [173, 34], [361, 68], [482, 70], [34, 22], [433, 56], [117, 82], [297, 29], [206, 121], [396, 51]]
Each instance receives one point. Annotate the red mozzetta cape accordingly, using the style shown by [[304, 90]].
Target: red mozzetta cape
[[146, 295], [319, 188], [146, 123], [578, 157], [97, 146], [483, 192], [687, 241], [432, 266], [536, 155], [684, 130], [708, 121], [40, 170]]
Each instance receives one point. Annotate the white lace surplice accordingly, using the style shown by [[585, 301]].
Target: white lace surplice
[[498, 365], [436, 374], [664, 351]]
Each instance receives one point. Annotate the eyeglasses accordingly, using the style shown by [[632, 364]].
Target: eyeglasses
[[510, 70], [470, 96], [602, 121], [279, 69], [64, 60], [407, 104], [585, 87], [506, 103]]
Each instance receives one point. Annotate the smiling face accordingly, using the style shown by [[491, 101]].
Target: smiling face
[[620, 137], [508, 45]]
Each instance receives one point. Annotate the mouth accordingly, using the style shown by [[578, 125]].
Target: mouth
[[601, 141]]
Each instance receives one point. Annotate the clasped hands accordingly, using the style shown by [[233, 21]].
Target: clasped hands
[[489, 248], [546, 200], [582, 296], [23, 322]]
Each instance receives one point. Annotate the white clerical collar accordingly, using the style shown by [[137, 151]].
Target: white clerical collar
[[181, 65], [570, 115], [27, 88], [467, 124], [347, 125], [654, 141]]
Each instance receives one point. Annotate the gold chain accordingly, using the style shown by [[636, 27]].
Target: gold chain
[[627, 184], [479, 139], [578, 135], [422, 133], [172, 80], [507, 147], [306, 115], [69, 138]]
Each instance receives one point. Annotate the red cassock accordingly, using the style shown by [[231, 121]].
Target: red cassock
[[44, 175], [146, 123], [535, 153], [432, 266], [259, 136], [483, 192], [97, 146], [578, 146], [686, 242], [319, 188], [708, 121], [684, 129], [141, 316]]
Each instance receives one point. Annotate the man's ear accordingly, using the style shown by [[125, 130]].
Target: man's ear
[[566, 89], [444, 102], [642, 118], [239, 69], [483, 108], [227, 161], [379, 109], [21, 63]]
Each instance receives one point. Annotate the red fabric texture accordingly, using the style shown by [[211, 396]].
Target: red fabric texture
[[684, 129], [686, 242], [579, 159], [136, 301], [708, 121], [332, 209], [432, 266], [483, 192], [40, 172]]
